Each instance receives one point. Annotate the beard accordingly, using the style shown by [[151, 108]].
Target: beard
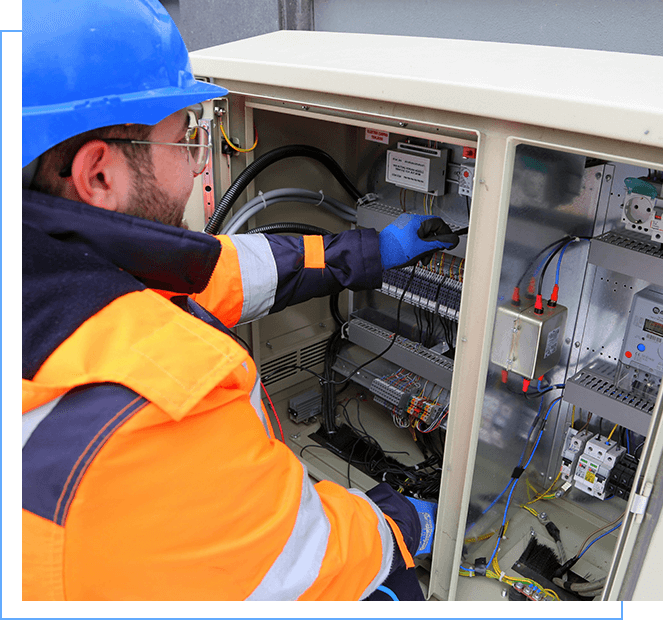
[[148, 201]]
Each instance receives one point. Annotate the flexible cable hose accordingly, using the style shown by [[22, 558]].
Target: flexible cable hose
[[295, 228], [257, 204], [252, 170]]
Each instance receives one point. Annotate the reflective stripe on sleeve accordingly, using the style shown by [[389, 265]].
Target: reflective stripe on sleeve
[[255, 402], [31, 419], [298, 565], [314, 252], [259, 275]]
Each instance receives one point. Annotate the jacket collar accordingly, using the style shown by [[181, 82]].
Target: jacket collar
[[160, 256]]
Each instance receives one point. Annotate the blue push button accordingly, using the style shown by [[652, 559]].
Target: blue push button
[[641, 347]]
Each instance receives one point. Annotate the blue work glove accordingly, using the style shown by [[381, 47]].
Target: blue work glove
[[427, 512], [411, 238]]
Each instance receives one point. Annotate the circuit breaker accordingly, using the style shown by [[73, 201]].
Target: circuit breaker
[[595, 465], [555, 191]]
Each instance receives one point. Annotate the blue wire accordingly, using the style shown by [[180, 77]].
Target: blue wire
[[628, 442], [559, 260], [543, 426], [599, 538], [506, 510], [515, 480], [549, 388], [388, 592], [543, 262], [520, 460], [467, 570]]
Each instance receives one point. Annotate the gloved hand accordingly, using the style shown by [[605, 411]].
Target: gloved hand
[[427, 512], [411, 238]]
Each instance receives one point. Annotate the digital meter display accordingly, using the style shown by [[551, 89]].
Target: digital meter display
[[653, 327]]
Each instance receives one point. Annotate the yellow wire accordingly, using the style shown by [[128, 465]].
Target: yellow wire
[[614, 428], [573, 416], [233, 147], [511, 580], [531, 510], [545, 493]]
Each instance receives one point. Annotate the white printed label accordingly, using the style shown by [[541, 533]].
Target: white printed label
[[408, 171], [551, 343], [375, 135]]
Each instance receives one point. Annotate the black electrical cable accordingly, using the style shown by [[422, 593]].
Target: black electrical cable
[[252, 170], [328, 387], [541, 253], [295, 228], [550, 258], [393, 340], [422, 479]]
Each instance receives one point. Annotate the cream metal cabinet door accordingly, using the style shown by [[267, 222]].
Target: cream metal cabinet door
[[579, 113]]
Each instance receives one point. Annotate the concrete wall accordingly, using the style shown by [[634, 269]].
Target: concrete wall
[[618, 25]]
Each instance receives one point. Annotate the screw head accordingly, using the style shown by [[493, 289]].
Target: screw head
[[295, 436], [269, 345], [402, 124], [576, 345], [504, 593], [218, 111], [598, 175], [304, 107], [608, 177]]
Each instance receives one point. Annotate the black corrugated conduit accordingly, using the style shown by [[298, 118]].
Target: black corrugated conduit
[[252, 170]]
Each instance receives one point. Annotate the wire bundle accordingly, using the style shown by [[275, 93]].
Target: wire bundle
[[446, 265], [421, 480], [402, 393], [430, 413]]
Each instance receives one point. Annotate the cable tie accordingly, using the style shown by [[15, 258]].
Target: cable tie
[[502, 576], [262, 196], [322, 198]]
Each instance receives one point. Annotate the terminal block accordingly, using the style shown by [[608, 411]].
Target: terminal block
[[622, 477]]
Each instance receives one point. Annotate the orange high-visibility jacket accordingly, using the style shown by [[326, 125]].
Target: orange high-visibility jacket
[[164, 481]]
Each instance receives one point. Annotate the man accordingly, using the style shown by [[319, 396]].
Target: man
[[150, 469]]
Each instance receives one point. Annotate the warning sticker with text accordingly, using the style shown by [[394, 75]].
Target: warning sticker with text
[[375, 135]]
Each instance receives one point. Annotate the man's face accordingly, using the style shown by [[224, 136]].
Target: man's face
[[160, 188]]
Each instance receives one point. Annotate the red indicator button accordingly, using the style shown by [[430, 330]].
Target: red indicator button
[[466, 174], [628, 354]]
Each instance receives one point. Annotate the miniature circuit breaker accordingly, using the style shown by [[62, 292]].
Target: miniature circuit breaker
[[595, 466], [574, 446]]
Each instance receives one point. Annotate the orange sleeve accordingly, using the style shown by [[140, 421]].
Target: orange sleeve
[[224, 295]]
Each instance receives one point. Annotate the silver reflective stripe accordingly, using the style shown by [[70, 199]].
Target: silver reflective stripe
[[256, 402], [298, 565], [259, 275], [31, 419], [387, 545]]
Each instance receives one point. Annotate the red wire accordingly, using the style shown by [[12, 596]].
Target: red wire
[[276, 415]]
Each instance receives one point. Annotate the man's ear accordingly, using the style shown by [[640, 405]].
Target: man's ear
[[100, 175]]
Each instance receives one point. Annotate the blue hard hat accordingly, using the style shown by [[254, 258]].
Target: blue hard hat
[[93, 63]]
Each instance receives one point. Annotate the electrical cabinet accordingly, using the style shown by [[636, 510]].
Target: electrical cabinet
[[506, 366]]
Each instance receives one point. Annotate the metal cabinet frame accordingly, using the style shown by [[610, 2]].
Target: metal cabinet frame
[[493, 96]]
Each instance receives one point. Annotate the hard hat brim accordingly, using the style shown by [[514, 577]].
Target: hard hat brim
[[145, 107]]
